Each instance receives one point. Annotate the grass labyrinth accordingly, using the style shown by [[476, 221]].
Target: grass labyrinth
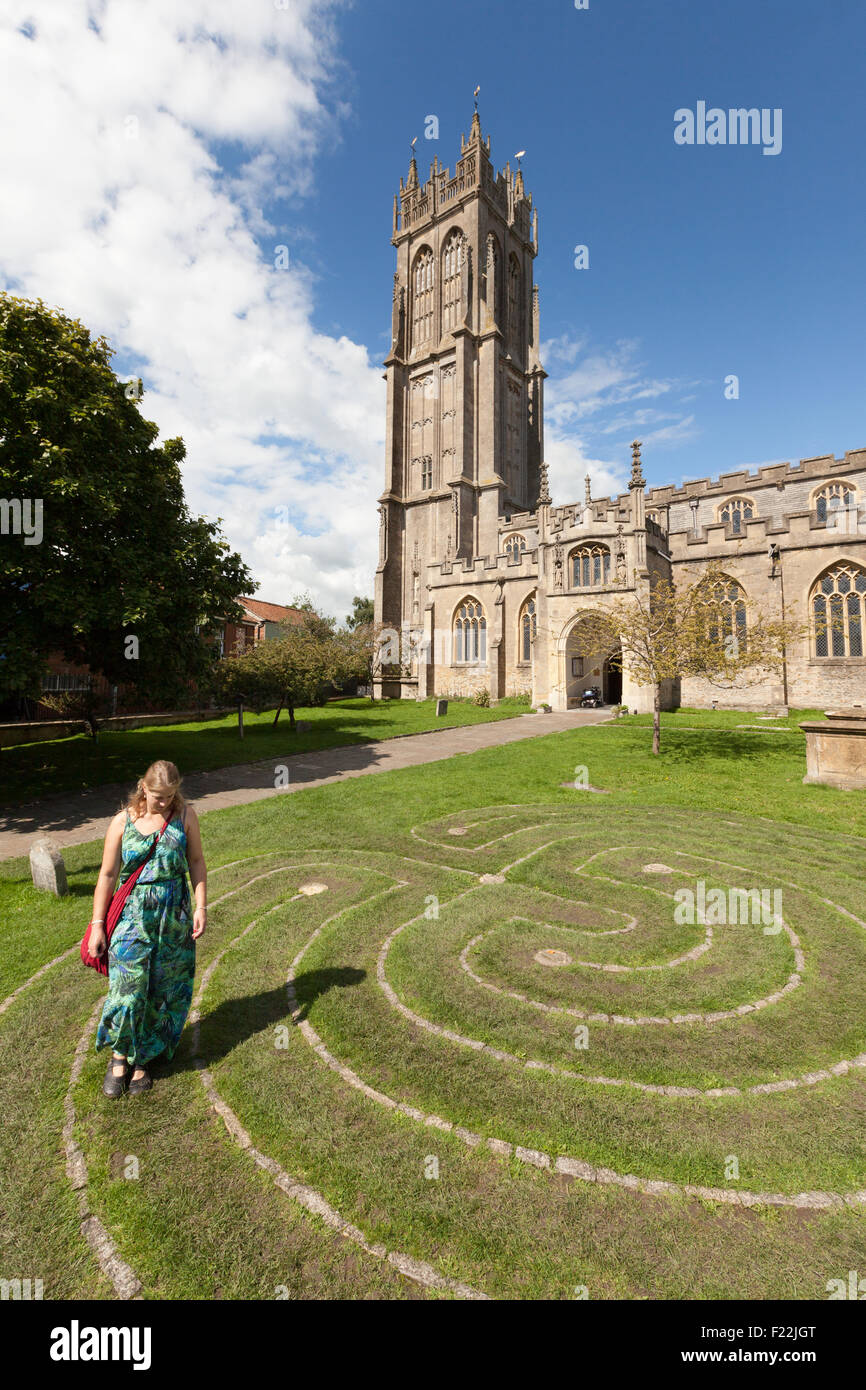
[[486, 1061]]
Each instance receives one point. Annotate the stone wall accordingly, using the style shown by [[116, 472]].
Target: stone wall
[[44, 730]]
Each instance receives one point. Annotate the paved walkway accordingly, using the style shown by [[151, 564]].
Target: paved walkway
[[81, 816]]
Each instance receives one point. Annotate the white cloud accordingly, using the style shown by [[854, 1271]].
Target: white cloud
[[603, 394], [118, 207]]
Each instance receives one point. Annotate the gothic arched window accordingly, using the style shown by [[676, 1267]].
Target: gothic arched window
[[590, 566], [833, 497], [727, 602], [452, 280], [736, 512], [838, 601], [422, 297], [514, 547], [527, 628], [470, 633]]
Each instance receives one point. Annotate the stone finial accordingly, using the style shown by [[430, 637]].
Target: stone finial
[[47, 868], [544, 492], [588, 483], [637, 478]]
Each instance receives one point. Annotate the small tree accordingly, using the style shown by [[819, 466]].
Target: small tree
[[296, 668], [688, 631]]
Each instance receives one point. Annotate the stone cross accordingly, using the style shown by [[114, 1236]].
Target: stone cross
[[47, 868]]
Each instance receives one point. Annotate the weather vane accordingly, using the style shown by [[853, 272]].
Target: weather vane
[[477, 90], [412, 148], [519, 156]]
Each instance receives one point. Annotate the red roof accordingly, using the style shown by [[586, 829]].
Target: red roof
[[271, 612]]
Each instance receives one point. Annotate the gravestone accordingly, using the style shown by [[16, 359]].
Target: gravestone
[[441, 708], [47, 868]]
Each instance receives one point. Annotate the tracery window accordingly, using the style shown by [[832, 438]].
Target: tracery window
[[590, 566], [729, 613], [452, 279], [426, 473], [422, 297], [514, 547], [833, 497], [527, 628], [736, 512], [838, 606], [470, 633]]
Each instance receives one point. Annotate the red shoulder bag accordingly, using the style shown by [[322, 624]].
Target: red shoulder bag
[[115, 908]]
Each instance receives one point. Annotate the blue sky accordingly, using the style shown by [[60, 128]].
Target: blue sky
[[162, 151], [708, 261]]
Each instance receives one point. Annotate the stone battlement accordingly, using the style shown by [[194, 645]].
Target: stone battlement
[[740, 480], [486, 567]]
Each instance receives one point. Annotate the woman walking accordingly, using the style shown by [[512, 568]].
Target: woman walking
[[151, 959]]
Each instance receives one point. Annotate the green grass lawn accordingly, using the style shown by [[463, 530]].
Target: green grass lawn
[[408, 941], [33, 770], [728, 719]]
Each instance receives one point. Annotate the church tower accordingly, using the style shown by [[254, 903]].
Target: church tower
[[464, 439]]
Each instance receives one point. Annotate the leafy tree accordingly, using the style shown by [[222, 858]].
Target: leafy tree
[[297, 668], [362, 614], [120, 556], [679, 631]]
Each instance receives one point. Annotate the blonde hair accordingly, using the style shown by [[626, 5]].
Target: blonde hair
[[159, 774]]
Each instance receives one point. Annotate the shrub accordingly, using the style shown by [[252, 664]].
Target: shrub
[[482, 698]]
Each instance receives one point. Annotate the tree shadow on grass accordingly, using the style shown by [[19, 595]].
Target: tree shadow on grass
[[305, 763], [692, 747], [235, 1020]]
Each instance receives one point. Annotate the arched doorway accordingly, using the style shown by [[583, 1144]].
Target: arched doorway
[[602, 669], [612, 678]]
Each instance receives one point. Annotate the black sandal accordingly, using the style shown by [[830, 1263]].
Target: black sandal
[[143, 1083], [113, 1085]]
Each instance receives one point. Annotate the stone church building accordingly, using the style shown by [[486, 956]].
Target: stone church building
[[485, 579]]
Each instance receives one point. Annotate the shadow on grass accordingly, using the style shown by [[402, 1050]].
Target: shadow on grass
[[235, 1020], [74, 809], [695, 746]]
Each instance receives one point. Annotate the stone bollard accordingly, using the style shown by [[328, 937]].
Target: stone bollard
[[441, 708], [47, 868]]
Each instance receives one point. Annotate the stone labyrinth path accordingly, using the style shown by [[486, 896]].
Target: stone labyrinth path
[[506, 997]]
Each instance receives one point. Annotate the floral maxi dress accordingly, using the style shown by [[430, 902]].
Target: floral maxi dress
[[151, 959]]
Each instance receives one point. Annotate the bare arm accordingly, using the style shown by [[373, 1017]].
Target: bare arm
[[197, 871], [106, 881]]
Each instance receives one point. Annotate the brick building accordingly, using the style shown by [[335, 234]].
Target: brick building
[[261, 623]]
